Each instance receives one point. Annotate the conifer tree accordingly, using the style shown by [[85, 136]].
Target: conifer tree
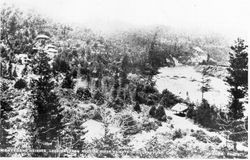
[[68, 82], [47, 110], [205, 114], [124, 71], [238, 78], [205, 82], [15, 73], [10, 70], [5, 136], [73, 133], [3, 70], [137, 107], [115, 87], [151, 53]]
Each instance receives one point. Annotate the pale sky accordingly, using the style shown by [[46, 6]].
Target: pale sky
[[222, 16]]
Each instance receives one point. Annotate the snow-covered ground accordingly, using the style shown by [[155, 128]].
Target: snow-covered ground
[[185, 125], [96, 130], [184, 81]]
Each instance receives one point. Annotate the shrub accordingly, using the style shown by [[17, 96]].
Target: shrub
[[74, 73], [200, 136], [127, 95], [98, 97], [110, 142], [149, 88], [152, 148], [129, 125], [83, 93], [190, 112], [169, 117], [215, 139], [61, 65], [137, 107], [239, 130], [141, 97], [158, 113], [19, 61], [20, 84], [171, 126], [96, 115], [206, 115], [177, 134], [84, 71], [116, 104], [183, 151], [4, 86], [68, 82], [168, 99], [149, 125], [152, 99], [146, 94], [152, 111], [14, 73]]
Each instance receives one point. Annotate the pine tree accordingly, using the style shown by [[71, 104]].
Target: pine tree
[[150, 68], [73, 133], [123, 81], [205, 114], [234, 129], [20, 84], [136, 96], [238, 77], [25, 70], [137, 107], [10, 70], [15, 73], [5, 136], [160, 113], [151, 53], [47, 111], [205, 82], [124, 71], [107, 143], [68, 82], [115, 87], [3, 70], [152, 111]]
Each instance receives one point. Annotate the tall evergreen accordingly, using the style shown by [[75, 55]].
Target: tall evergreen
[[115, 88], [124, 71], [47, 110], [68, 81], [205, 82], [15, 73], [151, 53], [5, 136], [10, 70], [123, 81], [238, 77]]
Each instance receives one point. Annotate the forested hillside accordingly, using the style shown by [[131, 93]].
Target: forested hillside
[[84, 94]]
